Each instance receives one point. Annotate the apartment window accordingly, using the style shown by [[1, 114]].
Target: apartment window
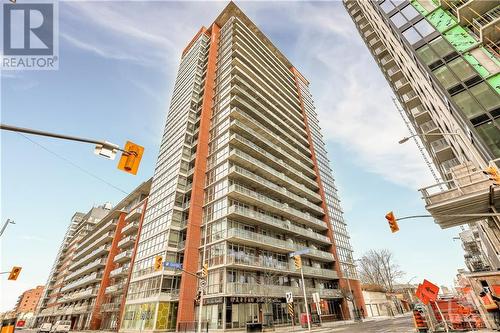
[[468, 104], [409, 12], [424, 28], [446, 77], [398, 20], [411, 35], [427, 55], [387, 6], [486, 96], [490, 133], [462, 69]]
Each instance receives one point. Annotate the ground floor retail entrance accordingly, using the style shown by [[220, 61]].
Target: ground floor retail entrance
[[235, 312]]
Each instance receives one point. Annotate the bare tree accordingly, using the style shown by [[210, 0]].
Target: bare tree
[[378, 267]]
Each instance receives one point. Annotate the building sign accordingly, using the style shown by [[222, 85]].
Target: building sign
[[237, 300]]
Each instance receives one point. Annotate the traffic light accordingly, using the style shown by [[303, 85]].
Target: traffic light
[[393, 224], [204, 270], [158, 263], [14, 273], [130, 160], [197, 298], [297, 261], [493, 174]]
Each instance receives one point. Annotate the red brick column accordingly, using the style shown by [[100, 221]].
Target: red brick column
[[95, 320], [355, 286], [193, 236]]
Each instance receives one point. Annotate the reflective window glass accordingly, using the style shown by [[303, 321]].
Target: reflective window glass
[[411, 35], [409, 12], [427, 55], [488, 98], [468, 104], [441, 46], [424, 28], [462, 69], [491, 135], [398, 20], [387, 6], [446, 77]]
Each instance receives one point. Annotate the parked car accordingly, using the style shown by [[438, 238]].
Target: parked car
[[61, 326], [45, 328]]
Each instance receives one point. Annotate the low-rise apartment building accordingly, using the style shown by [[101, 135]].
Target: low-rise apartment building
[[92, 285]]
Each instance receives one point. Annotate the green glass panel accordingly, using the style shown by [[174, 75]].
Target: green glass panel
[[419, 7], [441, 20], [460, 38], [490, 133], [494, 81], [473, 61]]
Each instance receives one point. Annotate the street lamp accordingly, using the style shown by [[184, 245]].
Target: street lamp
[[9, 221], [403, 140], [351, 294]]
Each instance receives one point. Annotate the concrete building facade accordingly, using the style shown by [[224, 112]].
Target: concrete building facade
[[242, 180], [92, 279], [441, 59]]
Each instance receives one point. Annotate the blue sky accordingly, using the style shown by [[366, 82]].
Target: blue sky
[[117, 68]]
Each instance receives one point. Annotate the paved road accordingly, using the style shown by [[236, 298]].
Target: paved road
[[393, 325]]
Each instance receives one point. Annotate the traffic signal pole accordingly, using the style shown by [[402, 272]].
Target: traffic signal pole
[[104, 144], [305, 298]]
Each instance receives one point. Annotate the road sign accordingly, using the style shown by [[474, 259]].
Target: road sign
[[171, 264], [203, 284], [289, 297], [316, 298], [298, 253], [290, 309]]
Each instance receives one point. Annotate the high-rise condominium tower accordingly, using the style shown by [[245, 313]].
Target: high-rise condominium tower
[[441, 58], [242, 180]]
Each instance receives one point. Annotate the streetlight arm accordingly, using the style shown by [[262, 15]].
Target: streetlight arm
[[105, 144]]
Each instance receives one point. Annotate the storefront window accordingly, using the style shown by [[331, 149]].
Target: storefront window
[[468, 104]]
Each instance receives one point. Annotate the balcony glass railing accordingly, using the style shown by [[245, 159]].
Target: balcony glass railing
[[90, 256], [96, 263]]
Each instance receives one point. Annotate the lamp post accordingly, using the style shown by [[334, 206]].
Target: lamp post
[[9, 221], [466, 143], [355, 309]]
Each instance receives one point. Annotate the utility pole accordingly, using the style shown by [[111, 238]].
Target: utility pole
[[9, 221]]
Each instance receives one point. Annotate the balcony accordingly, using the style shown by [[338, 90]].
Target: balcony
[[272, 142], [252, 149], [87, 293], [277, 177], [115, 289], [107, 237], [126, 242], [134, 214], [395, 73], [429, 127], [108, 226], [402, 86], [110, 307], [254, 289], [487, 26], [270, 243], [447, 165], [130, 228], [256, 218], [103, 249], [120, 271], [242, 174], [262, 263], [82, 282], [124, 256], [442, 149], [244, 194], [411, 99], [467, 193], [86, 269], [420, 114]]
